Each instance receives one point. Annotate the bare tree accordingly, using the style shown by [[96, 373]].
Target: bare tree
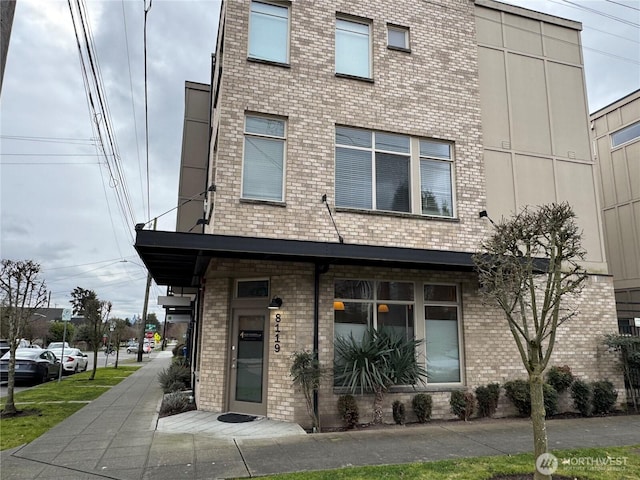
[[23, 292], [529, 268], [96, 313]]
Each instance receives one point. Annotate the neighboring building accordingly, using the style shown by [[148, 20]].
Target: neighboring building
[[351, 147], [615, 130]]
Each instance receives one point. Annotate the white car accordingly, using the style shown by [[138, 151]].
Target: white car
[[73, 360]]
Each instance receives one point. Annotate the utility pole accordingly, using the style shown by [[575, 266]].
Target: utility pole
[[143, 320]]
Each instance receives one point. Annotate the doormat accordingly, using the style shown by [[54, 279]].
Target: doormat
[[236, 418]]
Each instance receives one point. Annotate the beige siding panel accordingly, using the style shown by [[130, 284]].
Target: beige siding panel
[[620, 175], [576, 186], [629, 242], [606, 172], [188, 215], [192, 182], [528, 98], [198, 104], [488, 27], [614, 248], [561, 43], [493, 97], [522, 34], [568, 111], [613, 120], [196, 140], [633, 164], [601, 127], [630, 112], [538, 191], [500, 189]]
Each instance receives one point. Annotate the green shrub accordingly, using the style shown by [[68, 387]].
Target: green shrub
[[582, 395], [177, 350], [462, 404], [348, 410], [518, 392], [398, 412], [604, 397], [560, 378], [177, 402], [175, 378], [422, 404], [488, 399]]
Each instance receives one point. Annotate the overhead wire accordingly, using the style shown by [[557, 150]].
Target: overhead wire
[[623, 5], [146, 107], [133, 109]]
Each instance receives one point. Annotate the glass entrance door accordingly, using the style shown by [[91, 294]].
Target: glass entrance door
[[247, 387]]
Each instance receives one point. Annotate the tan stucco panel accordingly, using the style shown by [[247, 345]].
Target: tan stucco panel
[[500, 189], [576, 186], [568, 111], [539, 191], [522, 34], [493, 101], [528, 96], [489, 27], [562, 44]]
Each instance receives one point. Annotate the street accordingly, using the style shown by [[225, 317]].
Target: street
[[110, 361]]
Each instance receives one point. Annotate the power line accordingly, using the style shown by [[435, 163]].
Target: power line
[[623, 5], [597, 12], [146, 107], [133, 109]]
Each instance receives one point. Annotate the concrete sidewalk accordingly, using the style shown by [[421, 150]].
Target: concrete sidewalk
[[118, 436]]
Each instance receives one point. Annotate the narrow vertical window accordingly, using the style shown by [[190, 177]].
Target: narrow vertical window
[[441, 314], [263, 165], [353, 48], [436, 178], [269, 32]]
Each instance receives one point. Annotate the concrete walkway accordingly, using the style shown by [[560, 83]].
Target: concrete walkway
[[119, 436]]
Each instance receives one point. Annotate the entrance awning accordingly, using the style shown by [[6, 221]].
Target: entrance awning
[[180, 259]]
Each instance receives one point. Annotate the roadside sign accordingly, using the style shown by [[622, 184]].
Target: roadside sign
[[150, 326], [66, 314], [157, 337]]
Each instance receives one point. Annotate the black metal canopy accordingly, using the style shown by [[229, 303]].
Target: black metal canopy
[[180, 259]]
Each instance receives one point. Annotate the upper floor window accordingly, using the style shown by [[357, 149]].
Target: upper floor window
[[252, 288], [353, 48], [269, 32], [391, 172], [436, 196], [625, 135], [397, 37], [263, 164]]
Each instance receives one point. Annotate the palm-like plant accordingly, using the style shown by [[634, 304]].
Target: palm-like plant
[[382, 358]]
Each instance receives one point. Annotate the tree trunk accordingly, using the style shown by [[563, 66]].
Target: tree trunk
[[95, 364], [538, 420], [10, 406], [377, 406]]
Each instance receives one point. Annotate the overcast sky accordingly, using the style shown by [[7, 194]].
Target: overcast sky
[[58, 205]]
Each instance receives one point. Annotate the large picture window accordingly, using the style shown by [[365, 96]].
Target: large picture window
[[353, 49], [360, 304], [441, 314], [263, 165], [373, 171], [269, 32]]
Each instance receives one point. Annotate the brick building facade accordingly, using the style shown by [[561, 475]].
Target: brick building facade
[[351, 147]]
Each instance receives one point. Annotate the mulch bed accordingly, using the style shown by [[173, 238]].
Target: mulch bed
[[21, 413]]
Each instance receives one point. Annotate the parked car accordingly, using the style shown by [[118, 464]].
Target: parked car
[[73, 360], [4, 347], [58, 345], [132, 347], [33, 365]]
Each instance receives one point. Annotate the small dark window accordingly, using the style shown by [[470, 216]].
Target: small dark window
[[252, 289]]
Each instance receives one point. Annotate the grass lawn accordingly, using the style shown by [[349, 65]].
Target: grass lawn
[[624, 464], [54, 402]]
